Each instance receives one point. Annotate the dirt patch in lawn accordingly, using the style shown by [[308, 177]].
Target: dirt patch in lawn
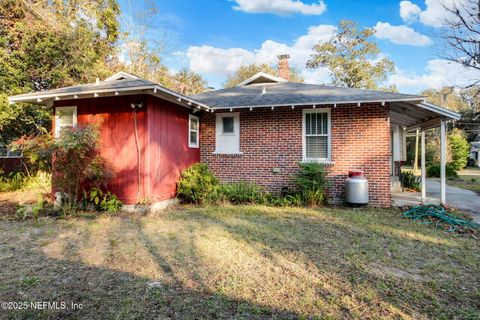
[[29, 195], [241, 262]]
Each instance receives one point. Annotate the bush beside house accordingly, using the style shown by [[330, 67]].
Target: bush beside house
[[80, 175], [433, 171], [198, 185]]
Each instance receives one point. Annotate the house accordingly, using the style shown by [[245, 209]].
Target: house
[[475, 152], [257, 131]]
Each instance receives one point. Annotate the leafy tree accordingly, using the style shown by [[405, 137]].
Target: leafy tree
[[351, 56], [49, 44], [141, 53], [458, 148], [187, 82], [446, 97], [246, 71], [466, 101]]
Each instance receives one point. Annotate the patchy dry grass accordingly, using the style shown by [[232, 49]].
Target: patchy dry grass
[[241, 262], [468, 178], [31, 191]]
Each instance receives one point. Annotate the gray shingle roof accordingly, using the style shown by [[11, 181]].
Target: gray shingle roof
[[287, 93], [102, 85]]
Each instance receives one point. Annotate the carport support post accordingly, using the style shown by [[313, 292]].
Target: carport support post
[[422, 168], [443, 160]]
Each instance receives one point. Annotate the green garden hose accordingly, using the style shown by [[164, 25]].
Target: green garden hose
[[438, 212]]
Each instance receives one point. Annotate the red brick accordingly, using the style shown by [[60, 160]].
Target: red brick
[[273, 139]]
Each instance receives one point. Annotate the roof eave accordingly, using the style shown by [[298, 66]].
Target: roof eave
[[441, 111], [321, 103], [47, 98]]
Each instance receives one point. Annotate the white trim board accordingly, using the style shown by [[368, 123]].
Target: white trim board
[[329, 139], [197, 143]]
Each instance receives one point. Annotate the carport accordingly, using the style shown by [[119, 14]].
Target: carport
[[424, 116]]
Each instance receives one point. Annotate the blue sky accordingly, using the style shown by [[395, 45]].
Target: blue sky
[[214, 37]]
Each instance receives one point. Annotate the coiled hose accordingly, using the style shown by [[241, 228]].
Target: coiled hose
[[440, 214]]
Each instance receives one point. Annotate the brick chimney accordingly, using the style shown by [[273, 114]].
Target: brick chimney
[[283, 66]]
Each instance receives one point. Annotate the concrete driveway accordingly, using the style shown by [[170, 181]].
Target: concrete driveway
[[462, 199]]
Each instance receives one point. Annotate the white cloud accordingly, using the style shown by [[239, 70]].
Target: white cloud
[[438, 73], [434, 14], [316, 76], [409, 11], [401, 35], [214, 61], [211, 60], [280, 7]]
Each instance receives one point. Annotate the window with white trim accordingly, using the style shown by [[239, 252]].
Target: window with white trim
[[316, 135], [65, 118], [227, 133], [193, 131]]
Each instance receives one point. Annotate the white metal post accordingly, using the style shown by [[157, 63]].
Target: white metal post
[[443, 161], [422, 168]]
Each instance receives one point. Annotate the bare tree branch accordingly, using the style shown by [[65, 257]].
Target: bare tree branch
[[462, 34]]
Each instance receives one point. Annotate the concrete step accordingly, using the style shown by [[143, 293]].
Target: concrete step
[[396, 185]]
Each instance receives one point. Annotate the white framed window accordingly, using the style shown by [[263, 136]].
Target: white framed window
[[316, 135], [227, 133], [193, 131], [65, 118]]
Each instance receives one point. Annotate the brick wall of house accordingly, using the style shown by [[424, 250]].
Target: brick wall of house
[[273, 139]]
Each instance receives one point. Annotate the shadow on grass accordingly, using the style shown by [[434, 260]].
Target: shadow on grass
[[109, 294], [347, 259], [396, 259]]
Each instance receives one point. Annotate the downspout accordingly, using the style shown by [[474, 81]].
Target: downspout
[[137, 145]]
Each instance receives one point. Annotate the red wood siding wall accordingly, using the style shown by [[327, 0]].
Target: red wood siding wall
[[114, 118], [167, 150]]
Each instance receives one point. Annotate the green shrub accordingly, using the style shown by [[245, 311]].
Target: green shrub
[[244, 192], [13, 182], [311, 182], [37, 152], [459, 149], [104, 201], [434, 171], [78, 163], [289, 200], [410, 181], [198, 185]]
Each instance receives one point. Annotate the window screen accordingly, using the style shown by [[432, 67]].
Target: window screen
[[66, 118], [316, 135], [193, 132]]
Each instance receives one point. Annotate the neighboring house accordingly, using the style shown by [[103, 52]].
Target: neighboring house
[[475, 152], [257, 131]]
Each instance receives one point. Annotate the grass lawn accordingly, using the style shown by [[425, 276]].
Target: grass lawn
[[240, 262], [468, 178]]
